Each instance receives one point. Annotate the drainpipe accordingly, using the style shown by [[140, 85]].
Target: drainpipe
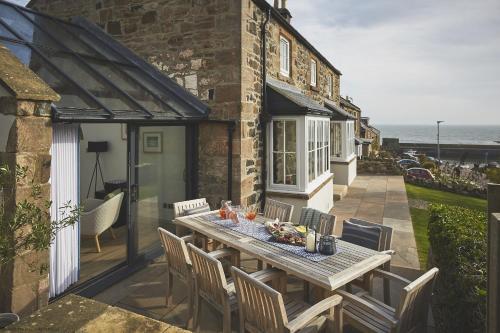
[[230, 131], [263, 113]]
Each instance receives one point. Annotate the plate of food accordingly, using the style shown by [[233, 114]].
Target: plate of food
[[286, 232]]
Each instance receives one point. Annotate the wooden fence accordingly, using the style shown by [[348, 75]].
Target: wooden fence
[[493, 319]]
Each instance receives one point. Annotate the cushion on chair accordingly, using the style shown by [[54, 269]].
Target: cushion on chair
[[197, 210], [112, 194], [368, 237]]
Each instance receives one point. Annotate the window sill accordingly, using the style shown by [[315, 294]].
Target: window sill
[[304, 195], [314, 88], [285, 78]]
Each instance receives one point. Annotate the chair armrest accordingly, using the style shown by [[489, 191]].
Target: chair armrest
[[314, 311], [390, 252], [223, 253], [368, 307], [188, 238], [268, 274], [391, 276]]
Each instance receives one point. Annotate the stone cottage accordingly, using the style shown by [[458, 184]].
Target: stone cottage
[[215, 49]]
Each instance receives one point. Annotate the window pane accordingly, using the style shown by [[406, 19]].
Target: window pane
[[311, 166], [291, 136], [278, 136], [291, 169], [278, 168]]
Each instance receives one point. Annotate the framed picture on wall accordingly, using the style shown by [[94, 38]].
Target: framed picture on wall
[[152, 142]]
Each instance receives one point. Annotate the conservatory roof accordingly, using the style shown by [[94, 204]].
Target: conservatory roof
[[97, 78], [285, 99]]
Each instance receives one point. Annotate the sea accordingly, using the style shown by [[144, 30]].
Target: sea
[[452, 134]]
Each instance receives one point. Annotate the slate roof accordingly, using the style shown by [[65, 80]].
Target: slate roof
[[285, 99], [338, 113], [97, 78]]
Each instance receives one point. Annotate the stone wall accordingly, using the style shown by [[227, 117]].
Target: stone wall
[[356, 112], [23, 288]]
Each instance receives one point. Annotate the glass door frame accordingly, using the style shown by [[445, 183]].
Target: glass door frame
[[134, 256]]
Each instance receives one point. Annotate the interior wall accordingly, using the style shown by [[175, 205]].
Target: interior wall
[[113, 162]]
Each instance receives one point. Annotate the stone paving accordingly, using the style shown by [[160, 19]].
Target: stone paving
[[382, 199]]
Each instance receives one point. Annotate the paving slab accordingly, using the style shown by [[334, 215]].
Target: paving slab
[[383, 200]]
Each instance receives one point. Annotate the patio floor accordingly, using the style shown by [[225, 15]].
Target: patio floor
[[382, 199]]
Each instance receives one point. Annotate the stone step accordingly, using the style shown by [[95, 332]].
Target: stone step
[[339, 192]]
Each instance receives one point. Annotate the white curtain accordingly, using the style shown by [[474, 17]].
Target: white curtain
[[64, 179]]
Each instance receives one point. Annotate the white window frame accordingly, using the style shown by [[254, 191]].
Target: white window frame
[[303, 183], [347, 145], [330, 86], [284, 56], [314, 73]]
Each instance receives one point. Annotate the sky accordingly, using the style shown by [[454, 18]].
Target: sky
[[411, 62]]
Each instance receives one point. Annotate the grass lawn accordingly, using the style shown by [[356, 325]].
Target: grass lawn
[[442, 197], [420, 217], [420, 220]]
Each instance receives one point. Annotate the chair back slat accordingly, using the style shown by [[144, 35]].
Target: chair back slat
[[209, 276], [261, 308], [274, 209], [385, 242], [181, 207], [176, 253], [415, 299], [321, 222]]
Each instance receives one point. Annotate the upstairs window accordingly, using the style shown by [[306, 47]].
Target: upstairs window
[[284, 56], [329, 88], [313, 73]]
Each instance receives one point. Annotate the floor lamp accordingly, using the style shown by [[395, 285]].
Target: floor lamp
[[97, 148]]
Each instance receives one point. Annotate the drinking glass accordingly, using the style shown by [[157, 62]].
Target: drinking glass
[[251, 213]]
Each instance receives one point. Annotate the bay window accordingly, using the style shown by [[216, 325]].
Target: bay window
[[299, 153], [342, 140]]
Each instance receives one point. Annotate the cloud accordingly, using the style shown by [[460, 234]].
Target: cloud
[[411, 61]]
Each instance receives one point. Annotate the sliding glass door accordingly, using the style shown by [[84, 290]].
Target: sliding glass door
[[160, 173]]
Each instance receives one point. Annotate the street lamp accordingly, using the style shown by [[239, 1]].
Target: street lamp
[[439, 151]]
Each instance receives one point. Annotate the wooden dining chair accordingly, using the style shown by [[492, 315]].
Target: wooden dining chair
[[178, 265], [323, 223], [368, 314], [212, 286], [265, 310], [274, 209], [375, 236], [191, 207]]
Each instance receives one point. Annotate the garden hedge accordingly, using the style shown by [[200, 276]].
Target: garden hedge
[[458, 238]]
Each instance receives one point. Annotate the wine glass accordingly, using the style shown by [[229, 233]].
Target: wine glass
[[251, 213]]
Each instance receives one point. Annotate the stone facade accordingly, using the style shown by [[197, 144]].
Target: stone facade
[[213, 49], [347, 105], [28, 140]]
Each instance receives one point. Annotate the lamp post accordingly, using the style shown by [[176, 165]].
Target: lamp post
[[438, 149]]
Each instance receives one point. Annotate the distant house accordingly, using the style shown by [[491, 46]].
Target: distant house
[[371, 137], [201, 117]]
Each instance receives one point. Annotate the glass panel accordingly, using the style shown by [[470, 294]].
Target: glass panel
[[291, 169], [6, 33], [16, 21], [291, 136], [113, 168], [278, 168], [161, 180], [312, 150], [278, 135], [129, 86]]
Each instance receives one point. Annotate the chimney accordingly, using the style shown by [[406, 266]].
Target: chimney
[[280, 6]]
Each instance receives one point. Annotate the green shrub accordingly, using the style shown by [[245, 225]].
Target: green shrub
[[493, 175], [458, 240]]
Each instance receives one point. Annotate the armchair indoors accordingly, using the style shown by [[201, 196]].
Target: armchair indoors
[[98, 216]]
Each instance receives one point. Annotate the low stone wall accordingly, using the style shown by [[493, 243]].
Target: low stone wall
[[442, 187], [378, 167]]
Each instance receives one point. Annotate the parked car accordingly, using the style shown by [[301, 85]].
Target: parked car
[[419, 174], [407, 163], [493, 165], [408, 156]]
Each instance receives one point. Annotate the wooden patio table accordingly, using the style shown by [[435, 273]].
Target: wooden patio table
[[350, 263]]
